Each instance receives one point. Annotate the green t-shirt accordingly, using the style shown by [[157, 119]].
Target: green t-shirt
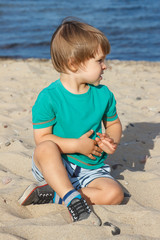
[[72, 115]]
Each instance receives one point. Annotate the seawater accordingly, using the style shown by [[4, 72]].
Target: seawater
[[132, 26]]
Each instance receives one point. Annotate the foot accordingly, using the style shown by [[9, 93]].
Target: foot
[[81, 213], [37, 193]]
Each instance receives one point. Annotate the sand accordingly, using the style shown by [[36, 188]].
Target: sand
[[136, 164]]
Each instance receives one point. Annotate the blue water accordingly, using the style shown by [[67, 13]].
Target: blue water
[[132, 26]]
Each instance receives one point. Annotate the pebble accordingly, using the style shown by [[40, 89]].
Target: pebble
[[138, 98], [6, 180], [7, 144], [144, 160], [126, 183], [115, 230]]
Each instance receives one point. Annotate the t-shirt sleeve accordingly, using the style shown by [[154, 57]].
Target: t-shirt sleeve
[[111, 111], [43, 114]]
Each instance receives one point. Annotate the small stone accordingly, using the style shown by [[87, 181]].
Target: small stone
[[6, 180], [114, 229], [7, 144], [5, 126], [138, 98], [144, 160]]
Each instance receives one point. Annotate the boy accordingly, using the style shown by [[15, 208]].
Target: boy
[[67, 121]]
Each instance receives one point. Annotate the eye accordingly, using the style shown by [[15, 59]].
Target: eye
[[100, 60]]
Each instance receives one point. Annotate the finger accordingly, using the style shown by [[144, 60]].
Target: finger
[[89, 133], [115, 145], [111, 140], [102, 134], [110, 146], [98, 149], [99, 134], [107, 139], [96, 153], [97, 140], [105, 135], [91, 156]]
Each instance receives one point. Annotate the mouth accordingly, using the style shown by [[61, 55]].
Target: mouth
[[101, 77]]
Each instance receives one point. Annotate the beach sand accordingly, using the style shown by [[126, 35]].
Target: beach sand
[[136, 164]]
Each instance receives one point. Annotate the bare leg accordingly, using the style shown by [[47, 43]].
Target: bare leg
[[103, 191], [47, 158]]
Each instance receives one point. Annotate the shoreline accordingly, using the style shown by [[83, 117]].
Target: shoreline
[[48, 59]]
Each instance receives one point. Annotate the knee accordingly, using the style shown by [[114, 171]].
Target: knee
[[116, 196], [119, 196], [45, 148]]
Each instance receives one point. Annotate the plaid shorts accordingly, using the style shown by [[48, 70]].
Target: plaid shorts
[[79, 177]]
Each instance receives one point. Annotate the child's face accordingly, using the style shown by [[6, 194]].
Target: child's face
[[92, 70]]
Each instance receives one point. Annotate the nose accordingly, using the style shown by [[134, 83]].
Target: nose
[[104, 66]]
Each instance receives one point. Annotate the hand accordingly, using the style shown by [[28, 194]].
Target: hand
[[106, 143], [88, 146]]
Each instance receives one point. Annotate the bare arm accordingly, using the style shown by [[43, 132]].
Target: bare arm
[[114, 130], [83, 145], [110, 139]]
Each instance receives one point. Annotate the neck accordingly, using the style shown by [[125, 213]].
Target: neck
[[73, 84]]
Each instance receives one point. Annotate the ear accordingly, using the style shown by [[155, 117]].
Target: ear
[[72, 65]]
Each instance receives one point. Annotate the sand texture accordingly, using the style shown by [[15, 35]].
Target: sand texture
[[136, 164]]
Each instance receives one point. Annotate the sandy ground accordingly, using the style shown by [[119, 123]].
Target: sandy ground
[[136, 164]]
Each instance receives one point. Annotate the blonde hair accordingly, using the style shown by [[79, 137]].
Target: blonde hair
[[76, 41]]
